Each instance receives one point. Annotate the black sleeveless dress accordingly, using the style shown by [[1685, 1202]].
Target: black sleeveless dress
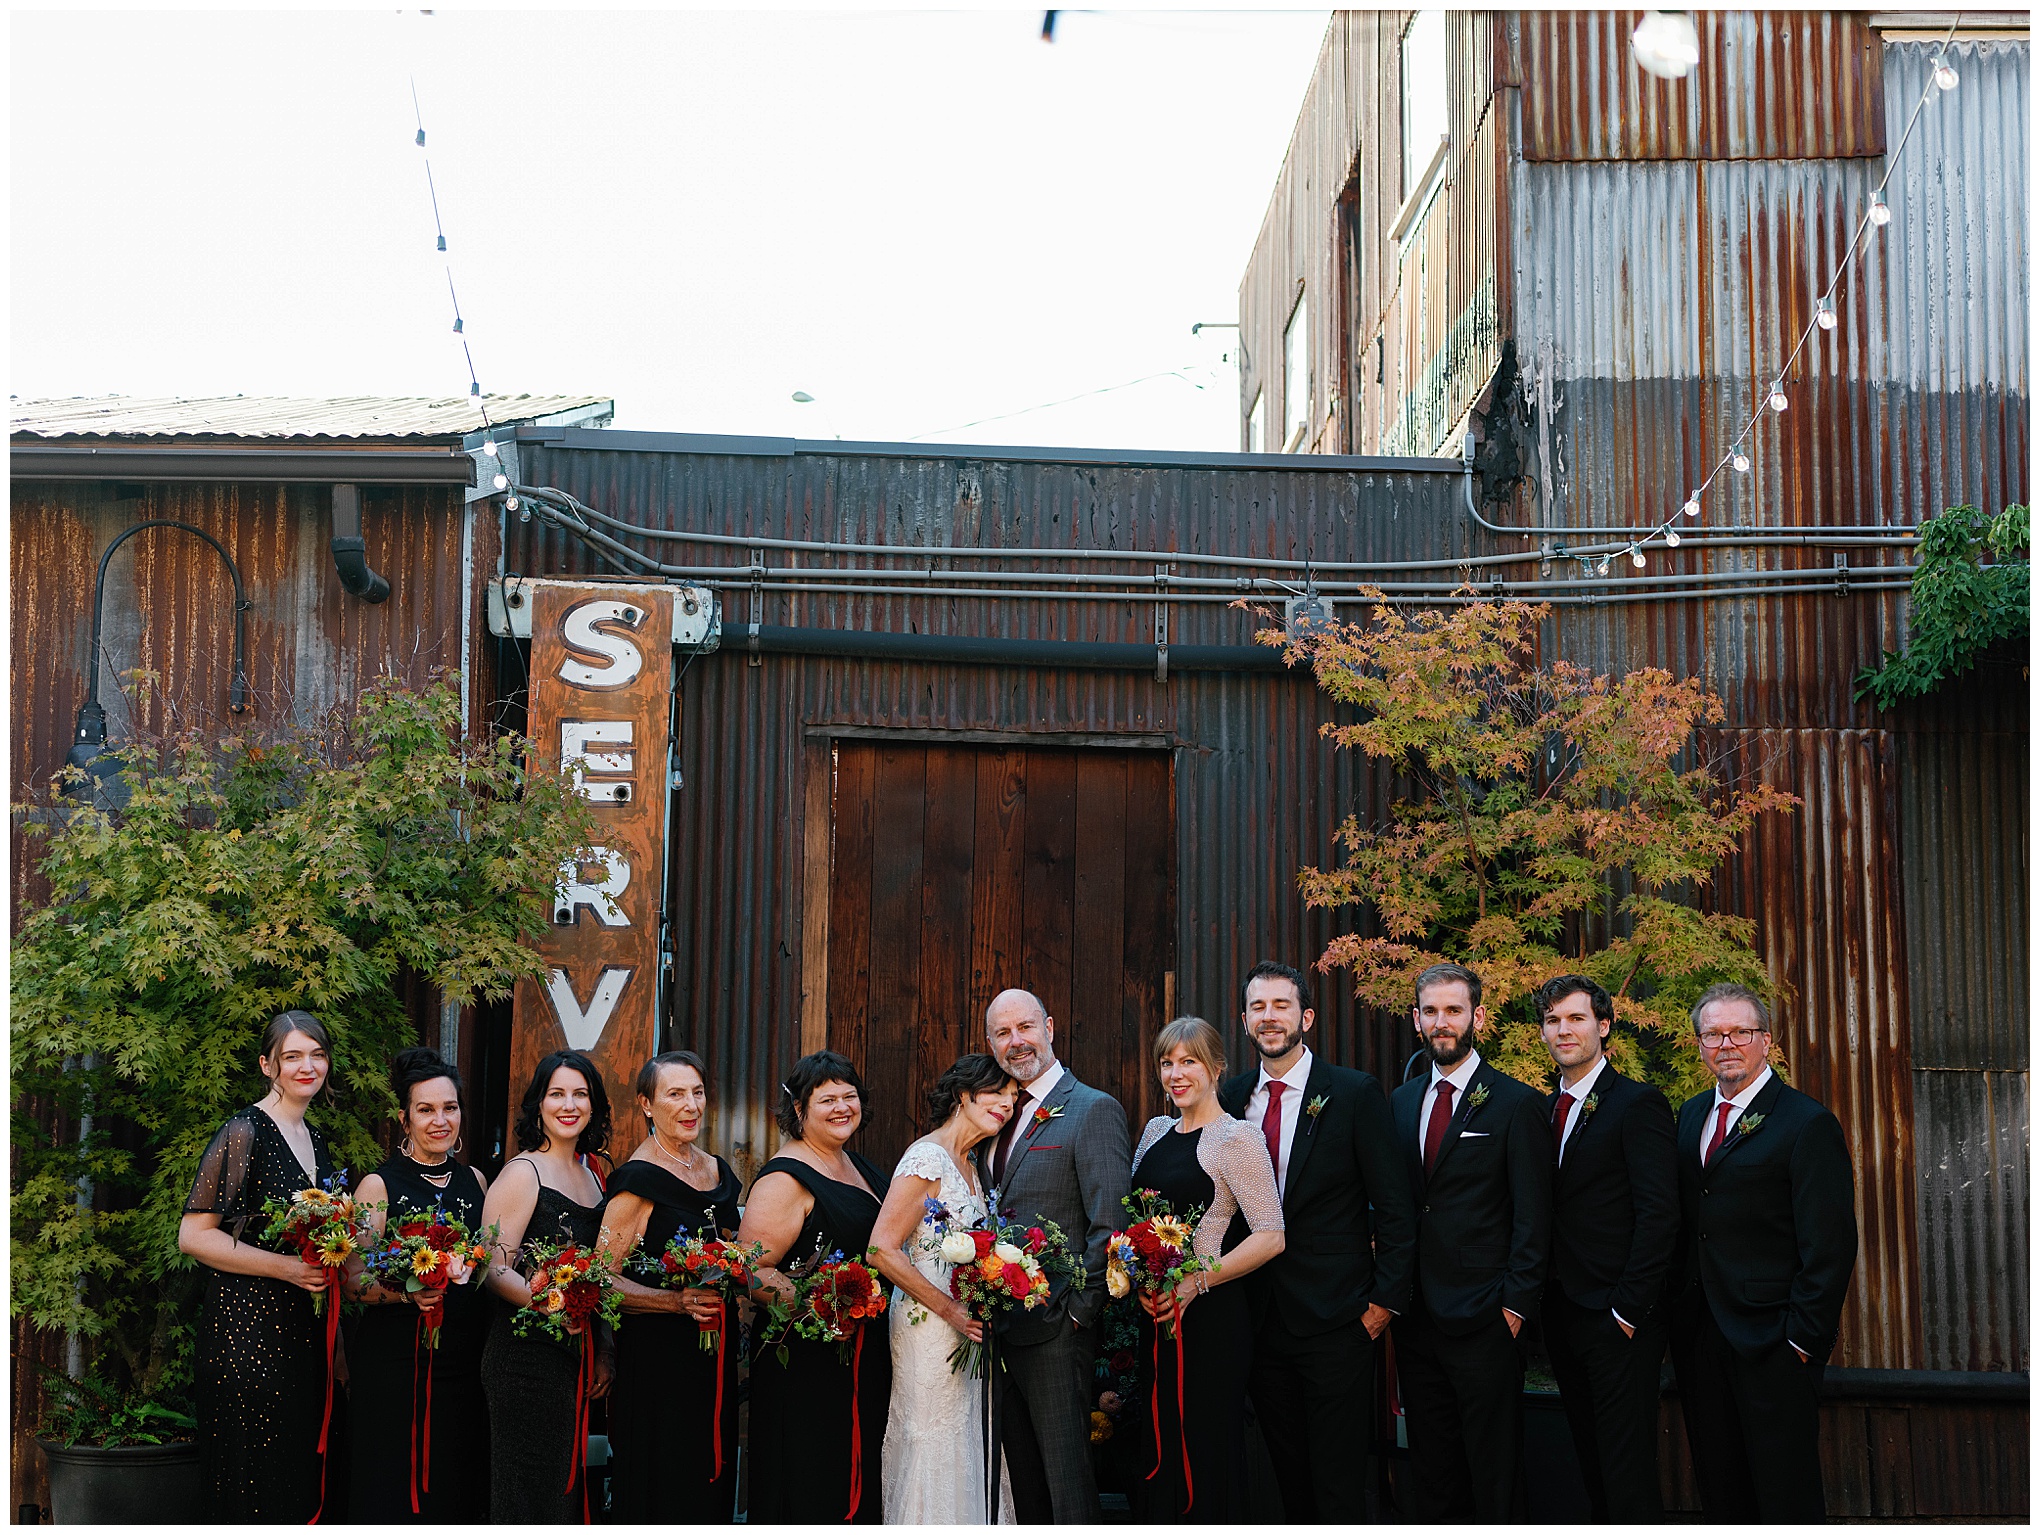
[[662, 1403], [1217, 1359], [388, 1364], [801, 1420], [260, 1369], [532, 1385]]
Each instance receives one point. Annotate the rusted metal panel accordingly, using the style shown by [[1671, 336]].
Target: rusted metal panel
[[1770, 85], [1975, 1152], [1824, 890], [376, 418], [601, 706]]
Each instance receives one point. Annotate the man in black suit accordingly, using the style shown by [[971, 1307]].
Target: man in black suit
[[1344, 1270], [1478, 1150], [1614, 1222], [1767, 1245]]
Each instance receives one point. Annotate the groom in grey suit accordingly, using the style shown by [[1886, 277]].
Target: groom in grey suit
[[1064, 1157]]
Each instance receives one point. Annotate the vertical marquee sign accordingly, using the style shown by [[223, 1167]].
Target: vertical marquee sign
[[600, 709]]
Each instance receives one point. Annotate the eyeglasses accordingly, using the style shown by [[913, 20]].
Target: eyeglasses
[[1717, 1038]]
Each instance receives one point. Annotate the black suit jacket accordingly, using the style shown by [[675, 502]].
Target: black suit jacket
[[1349, 1226], [1768, 1234], [1615, 1198], [1484, 1213]]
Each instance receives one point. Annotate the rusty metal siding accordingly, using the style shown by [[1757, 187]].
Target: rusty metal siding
[[1974, 1148], [1770, 85]]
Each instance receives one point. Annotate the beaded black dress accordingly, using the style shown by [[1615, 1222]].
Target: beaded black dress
[[390, 1368], [802, 1426], [532, 1387], [662, 1403], [260, 1366]]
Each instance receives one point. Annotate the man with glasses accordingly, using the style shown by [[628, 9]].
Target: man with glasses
[[1768, 1242]]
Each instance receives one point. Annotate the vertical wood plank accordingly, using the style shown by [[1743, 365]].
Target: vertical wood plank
[[1048, 884], [948, 855], [816, 896], [1147, 985], [850, 901], [898, 801], [1089, 1038], [997, 875]]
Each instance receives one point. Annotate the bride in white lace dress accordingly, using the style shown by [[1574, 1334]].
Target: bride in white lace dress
[[935, 1431]]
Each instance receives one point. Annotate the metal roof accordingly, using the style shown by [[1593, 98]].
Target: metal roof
[[361, 417]]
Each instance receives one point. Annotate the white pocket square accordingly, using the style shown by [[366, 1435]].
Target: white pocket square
[[1473, 1135]]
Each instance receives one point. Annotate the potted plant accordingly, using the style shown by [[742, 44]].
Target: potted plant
[[317, 868], [117, 1457]]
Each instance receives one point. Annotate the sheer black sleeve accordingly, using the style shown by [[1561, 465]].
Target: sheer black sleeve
[[221, 1187]]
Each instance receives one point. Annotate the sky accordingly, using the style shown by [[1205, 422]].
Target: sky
[[920, 219]]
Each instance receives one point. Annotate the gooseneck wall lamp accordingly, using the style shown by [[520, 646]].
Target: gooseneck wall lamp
[[102, 783]]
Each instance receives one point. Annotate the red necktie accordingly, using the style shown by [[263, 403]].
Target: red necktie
[[1565, 1103], [1434, 1133], [1271, 1128], [1006, 1138], [1720, 1133]]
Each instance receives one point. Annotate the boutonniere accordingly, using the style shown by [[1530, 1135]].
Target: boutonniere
[[1587, 1107], [1316, 1106], [1749, 1124], [1042, 1116], [1476, 1098]]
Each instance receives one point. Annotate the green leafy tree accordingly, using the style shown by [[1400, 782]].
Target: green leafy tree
[[1960, 605], [1535, 794], [242, 879]]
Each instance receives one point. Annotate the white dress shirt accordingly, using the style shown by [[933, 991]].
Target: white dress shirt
[[1578, 1092], [1293, 1081], [1459, 1076]]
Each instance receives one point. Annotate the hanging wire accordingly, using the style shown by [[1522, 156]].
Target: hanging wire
[[439, 231], [1026, 410]]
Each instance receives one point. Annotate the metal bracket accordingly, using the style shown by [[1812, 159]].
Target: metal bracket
[[757, 601], [1162, 625], [1841, 575], [1544, 554]]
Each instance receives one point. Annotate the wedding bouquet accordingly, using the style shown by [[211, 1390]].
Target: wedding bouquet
[[427, 1251], [995, 1267], [324, 1226], [571, 1289], [1153, 1254], [721, 1264], [831, 1304]]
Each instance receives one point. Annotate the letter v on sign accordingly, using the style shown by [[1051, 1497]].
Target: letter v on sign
[[601, 704]]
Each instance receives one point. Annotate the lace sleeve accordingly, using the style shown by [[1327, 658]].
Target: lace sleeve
[[1243, 1164], [923, 1159], [1157, 1127], [221, 1187]]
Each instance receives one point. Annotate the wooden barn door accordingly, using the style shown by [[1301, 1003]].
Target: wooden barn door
[[958, 871]]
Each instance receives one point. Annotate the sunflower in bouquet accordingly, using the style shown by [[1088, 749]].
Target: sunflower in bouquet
[[322, 1225], [1153, 1254], [572, 1288], [427, 1250]]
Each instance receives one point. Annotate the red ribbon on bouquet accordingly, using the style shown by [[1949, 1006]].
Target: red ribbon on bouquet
[[1155, 1404], [421, 1476], [584, 1383], [331, 1297], [856, 1429], [718, 1392]]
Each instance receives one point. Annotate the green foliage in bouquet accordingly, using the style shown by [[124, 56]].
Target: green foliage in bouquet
[[312, 869]]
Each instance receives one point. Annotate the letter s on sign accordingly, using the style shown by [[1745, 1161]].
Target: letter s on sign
[[625, 659]]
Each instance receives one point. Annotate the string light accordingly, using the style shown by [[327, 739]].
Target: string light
[[489, 447], [1636, 557], [1672, 538], [1880, 213], [1777, 401], [1692, 507], [1944, 73], [501, 482], [1824, 312], [1741, 461], [459, 324], [1603, 566]]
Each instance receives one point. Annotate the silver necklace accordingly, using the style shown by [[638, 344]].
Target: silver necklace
[[687, 1168]]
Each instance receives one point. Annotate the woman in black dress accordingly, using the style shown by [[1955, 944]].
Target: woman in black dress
[[419, 1443], [261, 1366], [1207, 1160], [818, 1421], [533, 1384], [672, 1422]]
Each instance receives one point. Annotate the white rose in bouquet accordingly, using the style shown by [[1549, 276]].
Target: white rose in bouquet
[[1006, 1252], [957, 1247]]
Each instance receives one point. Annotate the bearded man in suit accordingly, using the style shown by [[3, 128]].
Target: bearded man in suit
[[1064, 1157], [1767, 1246], [1345, 1267], [1478, 1154], [1614, 1223]]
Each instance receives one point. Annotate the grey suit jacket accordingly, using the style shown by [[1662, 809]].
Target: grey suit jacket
[[1072, 1168]]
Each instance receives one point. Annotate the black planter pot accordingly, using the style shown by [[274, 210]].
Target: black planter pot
[[135, 1484]]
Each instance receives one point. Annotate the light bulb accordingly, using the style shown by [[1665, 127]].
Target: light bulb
[[1671, 538], [1666, 44], [510, 502], [1741, 462], [1692, 507], [1636, 558], [1824, 312], [502, 482], [489, 447], [1944, 74], [1880, 211], [1777, 401], [1603, 566]]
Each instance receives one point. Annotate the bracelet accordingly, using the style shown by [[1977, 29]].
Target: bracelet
[[1203, 1285]]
